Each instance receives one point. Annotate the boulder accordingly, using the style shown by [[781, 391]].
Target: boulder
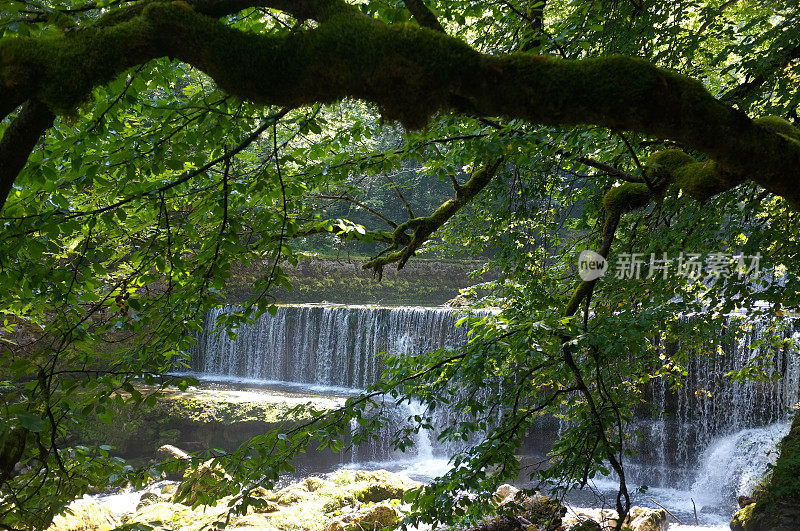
[[254, 522], [543, 511], [649, 520], [379, 485], [505, 493], [169, 489], [262, 501], [744, 501], [760, 516], [367, 519], [290, 495], [150, 497], [338, 501], [174, 460], [537, 512], [205, 481], [639, 519], [314, 484], [586, 525], [85, 515], [167, 451], [164, 512]]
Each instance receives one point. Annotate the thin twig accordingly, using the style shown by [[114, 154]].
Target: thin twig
[[668, 511], [397, 191]]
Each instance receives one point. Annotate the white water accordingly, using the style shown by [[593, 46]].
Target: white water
[[709, 441], [733, 465], [335, 346]]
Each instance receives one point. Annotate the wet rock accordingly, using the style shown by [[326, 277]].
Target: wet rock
[[638, 519], [459, 301], [543, 511], [760, 516], [169, 489], [505, 493], [777, 500], [537, 512], [262, 501], [379, 485], [744, 501], [174, 459], [339, 501], [85, 515], [368, 519], [289, 495], [586, 525], [253, 522], [149, 498], [164, 512], [206, 481], [167, 451], [644, 519], [501, 523], [314, 484]]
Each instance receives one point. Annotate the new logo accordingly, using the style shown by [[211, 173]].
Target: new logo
[[591, 265]]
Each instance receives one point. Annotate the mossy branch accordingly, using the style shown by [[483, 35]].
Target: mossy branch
[[410, 72], [423, 227], [19, 141], [699, 180]]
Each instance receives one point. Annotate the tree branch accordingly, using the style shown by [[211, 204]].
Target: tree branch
[[410, 73], [423, 15], [18, 142], [423, 227]]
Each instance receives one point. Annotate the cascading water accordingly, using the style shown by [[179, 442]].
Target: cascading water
[[708, 422], [709, 405], [712, 438], [333, 346]]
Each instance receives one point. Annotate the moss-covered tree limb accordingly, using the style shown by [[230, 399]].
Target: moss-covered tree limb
[[19, 140], [661, 168], [664, 169], [423, 227], [410, 73]]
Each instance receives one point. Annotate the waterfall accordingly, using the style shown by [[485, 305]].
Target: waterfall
[[709, 405], [333, 346], [711, 433], [732, 465]]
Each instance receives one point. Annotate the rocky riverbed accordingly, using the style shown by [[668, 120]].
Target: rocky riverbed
[[345, 500]]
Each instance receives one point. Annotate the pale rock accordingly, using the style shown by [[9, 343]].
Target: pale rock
[[505, 493], [85, 515]]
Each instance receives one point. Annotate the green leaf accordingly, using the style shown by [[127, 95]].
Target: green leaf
[[31, 422]]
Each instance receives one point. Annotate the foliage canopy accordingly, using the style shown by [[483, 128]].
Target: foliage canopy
[[150, 147]]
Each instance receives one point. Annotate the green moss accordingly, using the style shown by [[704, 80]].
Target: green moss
[[779, 125], [178, 416], [700, 180], [345, 56], [85, 515], [68, 66], [662, 164], [626, 197], [784, 485], [752, 518]]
